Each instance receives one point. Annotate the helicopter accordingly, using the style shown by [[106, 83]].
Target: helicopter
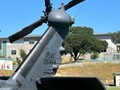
[[37, 71]]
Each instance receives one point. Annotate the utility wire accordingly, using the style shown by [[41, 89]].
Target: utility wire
[[79, 10]]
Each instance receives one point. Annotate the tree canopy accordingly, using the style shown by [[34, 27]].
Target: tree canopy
[[22, 54], [117, 36], [80, 40]]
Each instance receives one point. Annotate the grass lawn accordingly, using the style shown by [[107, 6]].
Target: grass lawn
[[113, 88]]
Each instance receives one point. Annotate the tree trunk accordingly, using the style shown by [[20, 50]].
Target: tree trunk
[[75, 56]]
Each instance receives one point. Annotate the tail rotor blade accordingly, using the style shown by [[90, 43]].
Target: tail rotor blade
[[48, 6], [72, 3], [47, 3], [25, 31]]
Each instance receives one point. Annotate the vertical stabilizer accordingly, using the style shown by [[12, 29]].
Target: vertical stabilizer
[[45, 54]]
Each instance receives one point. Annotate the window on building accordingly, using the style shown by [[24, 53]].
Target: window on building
[[31, 42], [119, 82], [13, 52], [104, 50], [4, 48], [20, 41], [4, 41]]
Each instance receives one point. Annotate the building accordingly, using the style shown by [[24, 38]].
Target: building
[[12, 50], [6, 64], [111, 40], [111, 51], [118, 47], [116, 76]]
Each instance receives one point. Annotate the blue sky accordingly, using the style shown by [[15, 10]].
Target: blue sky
[[101, 15]]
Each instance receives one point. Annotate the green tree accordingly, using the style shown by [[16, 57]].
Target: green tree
[[117, 36], [81, 40], [22, 54], [17, 61], [104, 45]]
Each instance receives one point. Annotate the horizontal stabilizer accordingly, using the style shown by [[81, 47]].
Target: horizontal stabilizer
[[71, 83]]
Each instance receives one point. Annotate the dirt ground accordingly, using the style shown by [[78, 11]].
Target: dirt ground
[[104, 71], [6, 72]]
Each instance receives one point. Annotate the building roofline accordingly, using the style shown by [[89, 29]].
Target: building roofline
[[105, 34]]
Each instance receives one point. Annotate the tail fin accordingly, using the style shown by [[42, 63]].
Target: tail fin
[[42, 58], [45, 53]]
